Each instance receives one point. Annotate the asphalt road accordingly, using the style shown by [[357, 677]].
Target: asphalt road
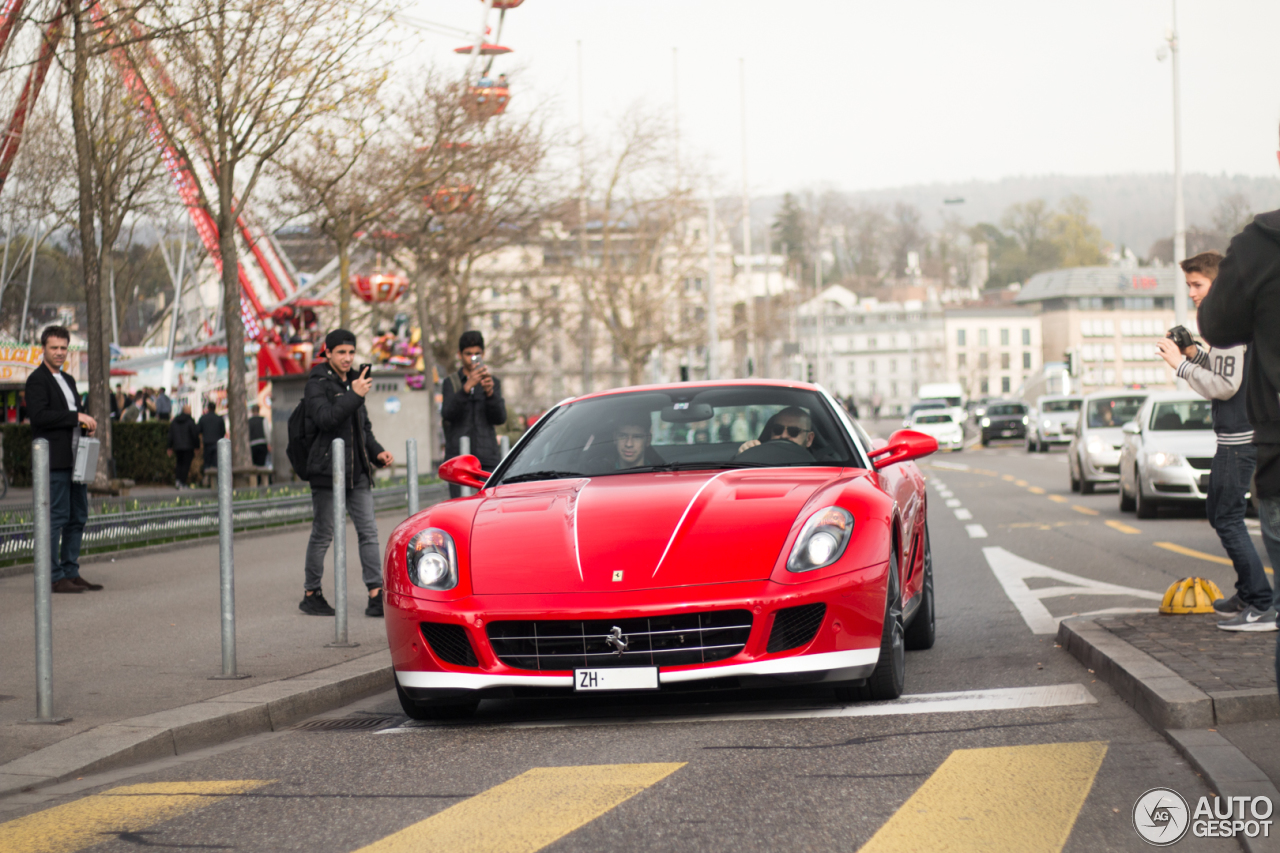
[[1035, 754]]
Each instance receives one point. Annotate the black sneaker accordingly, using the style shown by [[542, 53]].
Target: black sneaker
[[1228, 606], [315, 605], [374, 608]]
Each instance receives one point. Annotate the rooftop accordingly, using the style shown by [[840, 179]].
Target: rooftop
[[1099, 281]]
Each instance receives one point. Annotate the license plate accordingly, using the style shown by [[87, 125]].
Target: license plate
[[616, 678]]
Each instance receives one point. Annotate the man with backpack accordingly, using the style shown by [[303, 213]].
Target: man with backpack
[[472, 405], [333, 407]]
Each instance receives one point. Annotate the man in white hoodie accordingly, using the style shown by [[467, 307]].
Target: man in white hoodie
[[1218, 375]]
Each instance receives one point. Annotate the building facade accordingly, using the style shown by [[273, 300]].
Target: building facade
[[992, 351]]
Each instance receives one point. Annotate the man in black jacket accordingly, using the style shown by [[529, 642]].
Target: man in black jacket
[[212, 428], [334, 398], [1244, 308], [184, 438], [53, 408], [472, 405]]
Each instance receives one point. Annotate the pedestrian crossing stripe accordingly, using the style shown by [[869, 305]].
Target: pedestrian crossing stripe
[[526, 813], [1022, 798], [92, 820]]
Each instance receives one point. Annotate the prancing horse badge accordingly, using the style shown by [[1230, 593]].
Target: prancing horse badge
[[617, 576]]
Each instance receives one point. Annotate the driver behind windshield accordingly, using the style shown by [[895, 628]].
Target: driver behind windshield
[[791, 424]]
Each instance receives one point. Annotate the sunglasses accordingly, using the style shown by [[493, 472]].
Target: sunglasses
[[793, 431]]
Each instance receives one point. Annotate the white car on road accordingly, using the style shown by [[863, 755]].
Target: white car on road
[[1093, 456], [1167, 451], [1053, 421], [941, 424]]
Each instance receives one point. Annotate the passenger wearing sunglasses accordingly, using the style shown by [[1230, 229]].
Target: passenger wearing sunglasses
[[791, 424]]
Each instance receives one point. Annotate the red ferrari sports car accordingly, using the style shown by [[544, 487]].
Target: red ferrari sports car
[[732, 533]]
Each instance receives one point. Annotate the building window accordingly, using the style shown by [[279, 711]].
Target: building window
[[1004, 384], [985, 387], [871, 343], [1004, 337], [961, 360], [982, 361], [960, 337], [1026, 337], [497, 319], [1004, 361], [851, 370], [1026, 361], [915, 365], [871, 368], [982, 337], [893, 365], [893, 389]]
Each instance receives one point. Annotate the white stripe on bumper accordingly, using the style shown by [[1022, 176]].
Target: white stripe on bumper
[[777, 666]]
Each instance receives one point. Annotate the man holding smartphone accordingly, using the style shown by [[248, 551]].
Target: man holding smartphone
[[334, 399], [472, 406]]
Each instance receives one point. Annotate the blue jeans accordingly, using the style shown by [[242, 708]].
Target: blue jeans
[[68, 511], [1229, 476]]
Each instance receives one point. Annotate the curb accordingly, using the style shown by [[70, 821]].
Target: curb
[[1229, 772], [266, 707]]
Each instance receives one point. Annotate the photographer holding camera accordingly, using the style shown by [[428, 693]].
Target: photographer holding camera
[[472, 405], [1218, 375]]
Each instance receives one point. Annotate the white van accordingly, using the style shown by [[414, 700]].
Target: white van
[[951, 393]]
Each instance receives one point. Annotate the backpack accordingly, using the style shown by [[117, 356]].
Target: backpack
[[300, 440], [456, 384]]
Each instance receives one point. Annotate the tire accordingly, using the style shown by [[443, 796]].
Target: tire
[[1086, 486], [440, 709], [1144, 506], [889, 677], [1126, 501], [1031, 447], [1075, 482], [922, 631], [986, 442]]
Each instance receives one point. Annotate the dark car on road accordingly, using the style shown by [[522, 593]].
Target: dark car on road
[[1004, 419]]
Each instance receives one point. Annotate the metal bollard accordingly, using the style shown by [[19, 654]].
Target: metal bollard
[[339, 453], [464, 449], [226, 563], [44, 585], [504, 445], [411, 473]]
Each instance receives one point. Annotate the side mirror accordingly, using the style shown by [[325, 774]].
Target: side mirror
[[905, 444], [464, 471], [1131, 428]]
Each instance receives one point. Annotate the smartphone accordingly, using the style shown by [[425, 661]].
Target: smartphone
[[477, 361], [365, 370]]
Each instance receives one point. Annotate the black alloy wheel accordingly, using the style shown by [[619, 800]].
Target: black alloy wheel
[[890, 675], [922, 631], [1144, 506], [1126, 500], [438, 709]]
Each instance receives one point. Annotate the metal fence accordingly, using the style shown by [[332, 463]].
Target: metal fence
[[112, 527]]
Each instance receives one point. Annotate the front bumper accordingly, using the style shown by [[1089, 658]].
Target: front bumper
[[1002, 431], [844, 647], [1178, 483], [1102, 466]]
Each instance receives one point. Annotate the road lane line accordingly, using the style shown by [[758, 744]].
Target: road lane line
[[1115, 524], [1084, 509], [963, 514], [1008, 478], [1188, 552], [976, 531], [1022, 798], [1035, 490], [1013, 571], [948, 466], [1058, 499], [525, 814], [953, 502], [94, 820], [1020, 483], [984, 472]]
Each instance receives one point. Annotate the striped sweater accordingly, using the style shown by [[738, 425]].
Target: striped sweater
[[1218, 375]]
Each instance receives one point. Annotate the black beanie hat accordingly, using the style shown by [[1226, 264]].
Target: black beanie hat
[[337, 338]]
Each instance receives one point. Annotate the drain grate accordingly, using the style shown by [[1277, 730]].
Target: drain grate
[[349, 724]]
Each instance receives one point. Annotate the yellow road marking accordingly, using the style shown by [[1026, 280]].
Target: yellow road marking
[[1121, 526], [1008, 477], [1201, 555], [1058, 499], [93, 820], [1084, 509], [1002, 798], [985, 472], [528, 812], [1020, 482], [1035, 490]]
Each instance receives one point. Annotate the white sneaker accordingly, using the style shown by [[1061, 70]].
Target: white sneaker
[[1252, 619]]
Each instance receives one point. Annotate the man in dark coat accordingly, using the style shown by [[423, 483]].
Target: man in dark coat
[[184, 438], [53, 406], [472, 406], [212, 428], [334, 400], [258, 436]]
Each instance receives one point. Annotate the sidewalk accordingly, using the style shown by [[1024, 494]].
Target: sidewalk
[[150, 640]]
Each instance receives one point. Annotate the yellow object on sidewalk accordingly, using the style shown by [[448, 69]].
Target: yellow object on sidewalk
[[1190, 595]]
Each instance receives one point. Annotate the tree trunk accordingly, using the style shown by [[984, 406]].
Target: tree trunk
[[344, 274], [237, 405], [96, 337]]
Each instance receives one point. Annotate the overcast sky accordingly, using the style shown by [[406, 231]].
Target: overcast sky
[[856, 95]]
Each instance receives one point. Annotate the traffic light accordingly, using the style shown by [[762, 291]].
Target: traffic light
[[809, 375], [1072, 358]]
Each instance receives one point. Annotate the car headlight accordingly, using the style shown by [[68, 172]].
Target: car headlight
[[1024, 420], [822, 540], [986, 422], [1163, 459], [1048, 424], [1095, 444], [432, 560]]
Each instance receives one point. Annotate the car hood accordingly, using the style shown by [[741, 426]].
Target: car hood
[[1060, 418], [1200, 442], [935, 429], [656, 530], [1110, 436]]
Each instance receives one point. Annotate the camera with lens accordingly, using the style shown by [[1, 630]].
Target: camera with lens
[[1180, 337]]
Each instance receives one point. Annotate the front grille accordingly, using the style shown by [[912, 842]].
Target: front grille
[[1204, 463], [450, 643], [795, 626], [651, 641], [1164, 487]]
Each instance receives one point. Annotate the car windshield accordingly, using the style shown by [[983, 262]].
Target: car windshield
[[1061, 406], [933, 419], [728, 426], [926, 404], [1182, 414], [1007, 409], [1113, 411]]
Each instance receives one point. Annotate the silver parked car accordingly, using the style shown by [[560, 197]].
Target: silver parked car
[[1167, 451], [1053, 421], [1093, 456]]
